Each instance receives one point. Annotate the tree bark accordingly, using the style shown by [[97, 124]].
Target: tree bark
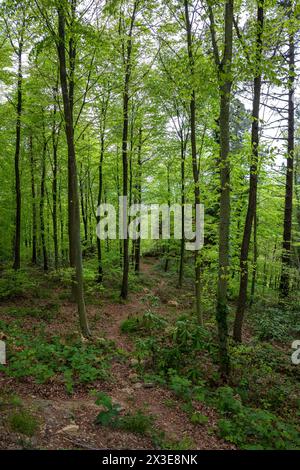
[[194, 155], [182, 242], [54, 181], [33, 197], [137, 253], [225, 84], [288, 206], [74, 210], [42, 204], [17, 240], [128, 69], [252, 198]]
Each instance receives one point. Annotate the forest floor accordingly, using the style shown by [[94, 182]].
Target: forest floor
[[68, 422], [64, 419]]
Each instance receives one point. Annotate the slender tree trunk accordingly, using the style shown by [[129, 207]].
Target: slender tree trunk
[[137, 253], [182, 242], [61, 220], [83, 208], [42, 204], [194, 156], [254, 269], [54, 181], [100, 190], [225, 83], [167, 251], [17, 247], [288, 207], [74, 210], [252, 199], [128, 68], [100, 177], [33, 196]]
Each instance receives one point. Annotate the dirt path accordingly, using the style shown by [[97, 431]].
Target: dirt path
[[68, 422]]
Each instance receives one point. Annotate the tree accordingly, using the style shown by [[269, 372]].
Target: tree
[[67, 89], [252, 198], [288, 206], [16, 21], [224, 72]]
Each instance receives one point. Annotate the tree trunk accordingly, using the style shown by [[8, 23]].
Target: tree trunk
[[17, 247], [33, 196], [194, 156], [128, 67], [225, 83], [137, 253], [252, 199], [288, 207], [74, 210], [254, 269], [42, 203], [54, 182], [182, 242], [100, 190]]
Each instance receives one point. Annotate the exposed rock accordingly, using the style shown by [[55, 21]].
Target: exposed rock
[[173, 303], [72, 428]]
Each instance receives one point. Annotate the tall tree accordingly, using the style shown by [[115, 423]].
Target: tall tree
[[288, 205], [15, 21], [67, 88], [195, 163], [252, 198], [127, 62], [224, 66]]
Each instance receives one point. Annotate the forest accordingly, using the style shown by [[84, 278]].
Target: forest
[[112, 337]]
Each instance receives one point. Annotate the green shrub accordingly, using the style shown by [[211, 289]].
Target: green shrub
[[259, 429], [130, 325], [198, 418], [17, 283], [227, 401], [137, 422], [43, 359], [273, 323], [44, 312], [148, 322], [23, 422], [111, 415]]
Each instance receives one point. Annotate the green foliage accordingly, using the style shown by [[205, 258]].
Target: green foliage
[[274, 323], [62, 277], [259, 429], [44, 359], [184, 444], [189, 335], [23, 422], [136, 422], [111, 415], [227, 400], [149, 321], [44, 312], [130, 325], [264, 376], [199, 418], [180, 385], [17, 284]]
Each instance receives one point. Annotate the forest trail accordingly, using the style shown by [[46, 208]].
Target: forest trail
[[68, 421]]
